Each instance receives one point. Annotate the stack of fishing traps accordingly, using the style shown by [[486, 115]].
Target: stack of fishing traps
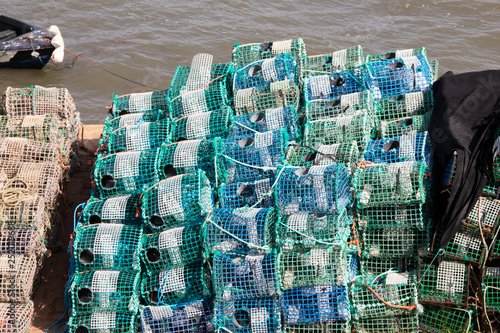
[[38, 131]]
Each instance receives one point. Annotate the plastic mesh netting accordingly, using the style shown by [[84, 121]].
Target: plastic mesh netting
[[20, 241], [194, 317], [393, 242], [402, 126], [486, 212], [337, 61], [315, 304], [315, 189], [374, 267], [96, 322], [443, 319], [240, 231], [178, 200], [332, 327], [406, 105], [386, 184], [491, 288], [258, 194], [238, 277], [17, 275], [156, 101], [249, 53], [492, 189], [198, 101], [107, 247], [466, 245], [118, 209], [16, 317], [179, 284], [26, 150], [408, 216], [43, 128], [29, 213], [174, 247], [113, 123], [207, 125], [396, 54], [399, 324], [106, 291]]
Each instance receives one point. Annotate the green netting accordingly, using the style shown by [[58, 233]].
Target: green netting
[[156, 101], [394, 242], [373, 297], [198, 101], [119, 209], [179, 284], [406, 125], [395, 324], [491, 288], [105, 291], [495, 252], [331, 327], [113, 123], [406, 105], [124, 173], [389, 184], [306, 156], [99, 322], [357, 127], [437, 319], [17, 276], [492, 189], [174, 247], [238, 277], [107, 247], [337, 61], [434, 63], [396, 54], [409, 216], [248, 53], [373, 266], [16, 317], [270, 96], [240, 230], [178, 200], [186, 157], [142, 136], [496, 156], [207, 125], [27, 150], [446, 284], [466, 245]]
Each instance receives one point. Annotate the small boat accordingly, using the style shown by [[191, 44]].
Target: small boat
[[25, 46]]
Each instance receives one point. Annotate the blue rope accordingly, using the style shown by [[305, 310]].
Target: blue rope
[[160, 292], [75, 223], [63, 315]]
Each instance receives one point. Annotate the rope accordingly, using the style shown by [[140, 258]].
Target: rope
[[307, 236], [270, 192], [404, 307], [245, 127], [12, 196], [440, 252], [249, 165], [200, 88]]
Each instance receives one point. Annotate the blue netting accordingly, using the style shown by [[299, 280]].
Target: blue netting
[[241, 194], [202, 100], [156, 101], [109, 322], [250, 158], [194, 317], [315, 304], [316, 189], [248, 316], [207, 125], [240, 231], [122, 209], [239, 277]]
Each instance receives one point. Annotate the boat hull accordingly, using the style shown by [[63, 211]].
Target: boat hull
[[25, 59]]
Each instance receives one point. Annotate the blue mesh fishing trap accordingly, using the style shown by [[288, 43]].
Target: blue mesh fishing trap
[[249, 315], [193, 317], [249, 53], [122, 209], [250, 158], [198, 101], [258, 194], [268, 120], [111, 322], [178, 200], [238, 277], [240, 231], [156, 101], [315, 304], [315, 189], [107, 247], [207, 125]]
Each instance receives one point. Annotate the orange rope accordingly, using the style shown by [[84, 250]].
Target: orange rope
[[404, 307]]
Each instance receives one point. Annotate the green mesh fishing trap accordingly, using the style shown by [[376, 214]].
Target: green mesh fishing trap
[[306, 230], [269, 96], [207, 125], [492, 189], [105, 291], [202, 74], [16, 317], [268, 120], [491, 288], [199, 101], [124, 173], [406, 125], [153, 101], [374, 266], [186, 157], [317, 189], [394, 216], [97, 322], [388, 184], [142, 136], [107, 247], [394, 242], [345, 105], [249, 53], [399, 324], [173, 247], [331, 327], [113, 123], [122, 209], [178, 200], [240, 231], [486, 212], [195, 317], [406, 105], [391, 294], [238, 277], [495, 252], [466, 245], [446, 284], [337, 61], [396, 54], [248, 316], [434, 63], [438, 319], [356, 127], [346, 153], [27, 150], [17, 276], [174, 285], [257, 194], [250, 158]]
